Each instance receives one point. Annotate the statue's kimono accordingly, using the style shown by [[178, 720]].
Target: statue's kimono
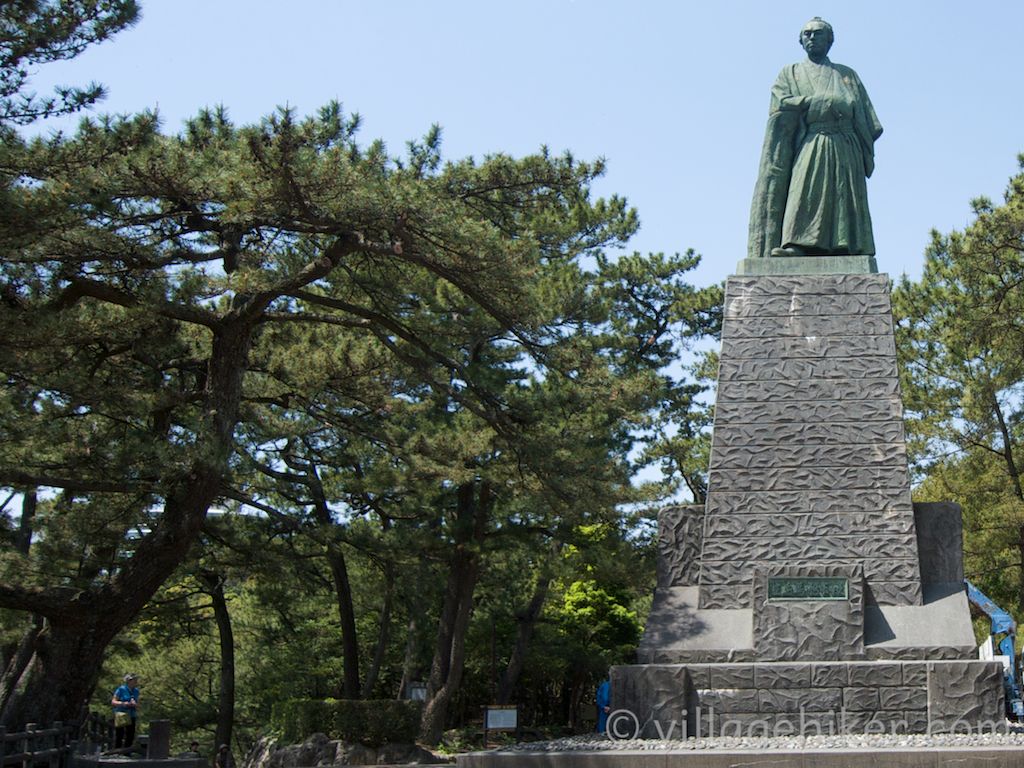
[[818, 151]]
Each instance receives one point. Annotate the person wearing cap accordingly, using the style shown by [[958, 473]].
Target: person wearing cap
[[126, 708], [223, 758]]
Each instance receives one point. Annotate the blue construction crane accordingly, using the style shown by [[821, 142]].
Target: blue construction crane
[[1004, 634]]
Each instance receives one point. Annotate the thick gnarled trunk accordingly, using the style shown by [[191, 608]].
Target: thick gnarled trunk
[[473, 506], [81, 623]]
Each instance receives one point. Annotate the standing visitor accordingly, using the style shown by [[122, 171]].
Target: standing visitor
[[604, 700], [126, 708], [223, 758]]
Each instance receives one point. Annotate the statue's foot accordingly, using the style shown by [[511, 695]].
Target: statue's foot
[[789, 250]]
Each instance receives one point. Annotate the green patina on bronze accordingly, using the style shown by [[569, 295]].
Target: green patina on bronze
[[811, 195], [807, 588]]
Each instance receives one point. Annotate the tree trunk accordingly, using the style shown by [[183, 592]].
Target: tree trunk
[[226, 695], [526, 623], [347, 620], [18, 663], [81, 623], [23, 538], [61, 674], [342, 586], [1018, 491], [21, 654], [464, 569], [409, 663], [383, 634]]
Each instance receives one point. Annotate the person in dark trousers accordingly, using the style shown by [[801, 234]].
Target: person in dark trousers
[[604, 696], [223, 758], [126, 710]]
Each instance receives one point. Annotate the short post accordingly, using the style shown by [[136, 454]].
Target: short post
[[58, 743], [27, 744], [159, 739]]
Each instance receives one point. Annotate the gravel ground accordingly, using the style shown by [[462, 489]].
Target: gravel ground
[[1014, 737]]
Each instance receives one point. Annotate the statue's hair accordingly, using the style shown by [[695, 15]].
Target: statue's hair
[[825, 24]]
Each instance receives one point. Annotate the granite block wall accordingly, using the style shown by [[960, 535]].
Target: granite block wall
[[808, 462], [808, 698]]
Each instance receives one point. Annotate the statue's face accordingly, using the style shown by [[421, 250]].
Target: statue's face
[[816, 39]]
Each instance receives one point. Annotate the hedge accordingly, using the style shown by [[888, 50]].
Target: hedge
[[372, 722]]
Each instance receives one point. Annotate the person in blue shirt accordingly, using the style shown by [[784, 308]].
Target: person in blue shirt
[[604, 700], [126, 709]]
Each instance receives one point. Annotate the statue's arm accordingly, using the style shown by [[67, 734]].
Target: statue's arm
[[786, 96]]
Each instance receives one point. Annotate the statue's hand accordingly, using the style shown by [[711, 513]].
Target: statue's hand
[[794, 103]]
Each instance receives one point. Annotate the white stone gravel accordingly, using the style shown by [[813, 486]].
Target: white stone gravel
[[1014, 737]]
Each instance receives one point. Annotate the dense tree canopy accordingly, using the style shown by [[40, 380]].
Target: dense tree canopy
[[961, 334], [278, 316], [34, 32], [410, 385]]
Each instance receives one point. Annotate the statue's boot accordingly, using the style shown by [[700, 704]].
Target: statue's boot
[[789, 250]]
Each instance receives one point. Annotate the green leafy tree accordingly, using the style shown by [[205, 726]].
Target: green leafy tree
[[960, 331], [139, 290], [34, 32]]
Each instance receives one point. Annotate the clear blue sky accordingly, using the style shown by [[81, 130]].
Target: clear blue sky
[[673, 94]]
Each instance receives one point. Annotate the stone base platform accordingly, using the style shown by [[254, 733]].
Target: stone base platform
[[961, 757], [672, 701]]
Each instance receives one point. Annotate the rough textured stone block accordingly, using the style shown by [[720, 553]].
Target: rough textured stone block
[[782, 675], [875, 674], [795, 699], [833, 433], [820, 524], [893, 592], [771, 369], [809, 630], [809, 346], [763, 456], [730, 572], [890, 570], [656, 694], [818, 285], [732, 676], [903, 698], [829, 675], [820, 411], [782, 390], [680, 530], [895, 499], [808, 325], [809, 548], [860, 699], [940, 541], [728, 700], [809, 478], [917, 720], [868, 723], [699, 675], [811, 304], [915, 674], [726, 596], [967, 692]]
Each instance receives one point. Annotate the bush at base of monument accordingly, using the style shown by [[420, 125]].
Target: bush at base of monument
[[371, 722]]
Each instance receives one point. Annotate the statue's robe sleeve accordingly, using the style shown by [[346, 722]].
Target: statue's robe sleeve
[[865, 122], [772, 188]]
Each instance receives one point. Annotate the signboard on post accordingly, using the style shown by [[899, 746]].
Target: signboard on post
[[501, 718]]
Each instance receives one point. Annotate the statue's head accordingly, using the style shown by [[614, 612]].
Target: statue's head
[[816, 38]]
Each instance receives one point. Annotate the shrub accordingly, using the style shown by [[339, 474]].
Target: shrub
[[370, 722]]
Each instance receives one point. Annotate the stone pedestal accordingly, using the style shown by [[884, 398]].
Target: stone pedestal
[[809, 563]]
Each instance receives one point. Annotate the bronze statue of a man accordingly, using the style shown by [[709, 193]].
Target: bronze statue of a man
[[811, 196]]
